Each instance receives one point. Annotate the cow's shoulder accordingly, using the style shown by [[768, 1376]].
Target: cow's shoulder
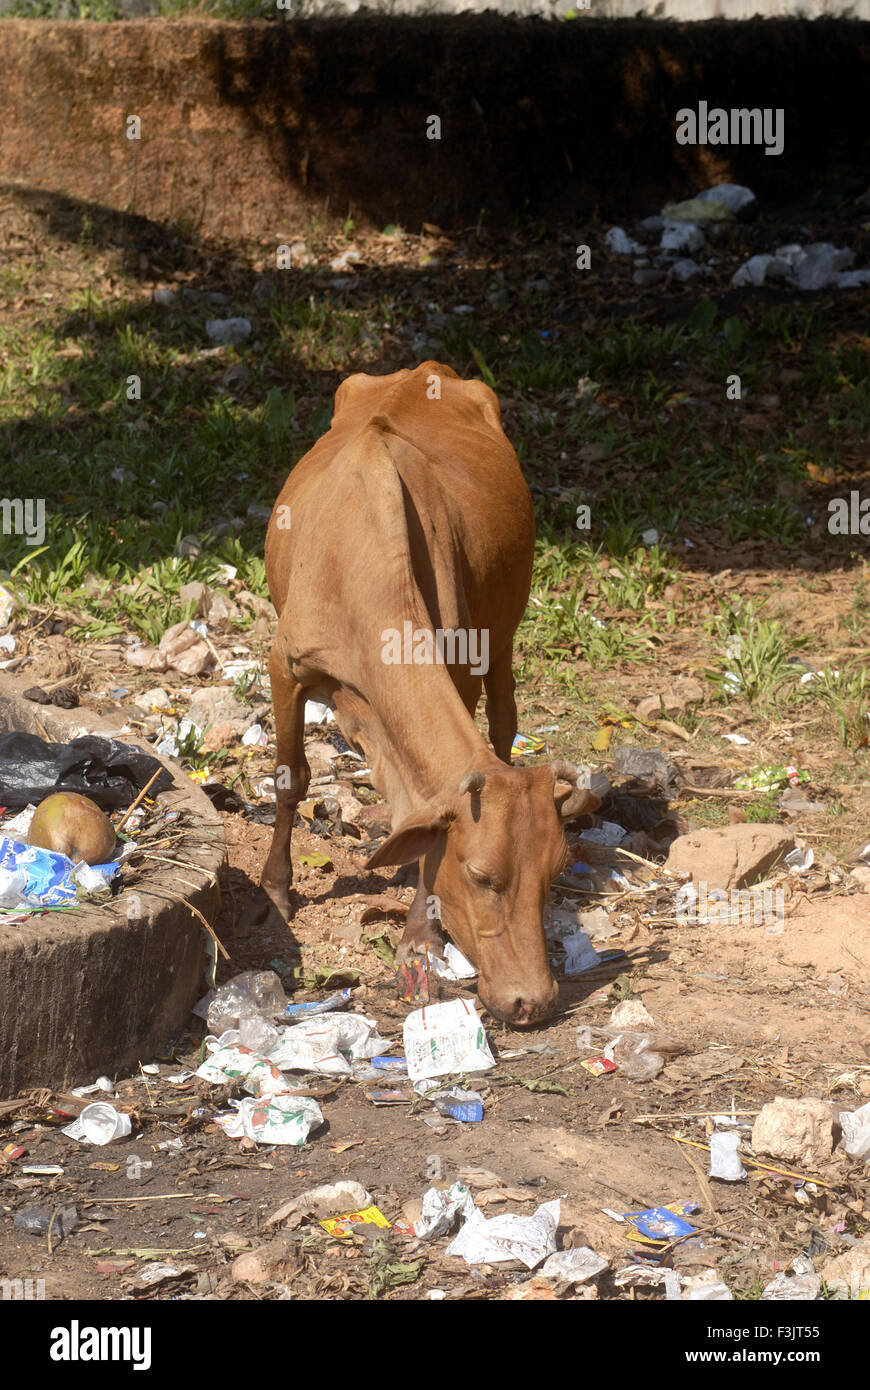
[[394, 397]]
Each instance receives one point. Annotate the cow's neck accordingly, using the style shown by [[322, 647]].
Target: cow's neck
[[415, 733]]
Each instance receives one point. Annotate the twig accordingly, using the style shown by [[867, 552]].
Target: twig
[[128, 813], [176, 897], [753, 1163], [703, 1185]]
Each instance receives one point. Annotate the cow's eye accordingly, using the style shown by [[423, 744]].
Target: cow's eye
[[478, 876]]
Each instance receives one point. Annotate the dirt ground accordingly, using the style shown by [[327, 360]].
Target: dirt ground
[[758, 1016], [751, 1015]]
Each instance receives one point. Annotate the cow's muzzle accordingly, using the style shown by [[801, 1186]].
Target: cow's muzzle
[[522, 1008]]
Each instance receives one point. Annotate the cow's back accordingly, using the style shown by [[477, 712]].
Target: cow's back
[[414, 483]]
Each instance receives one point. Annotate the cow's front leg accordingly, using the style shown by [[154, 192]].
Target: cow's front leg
[[292, 774], [501, 707], [422, 934]]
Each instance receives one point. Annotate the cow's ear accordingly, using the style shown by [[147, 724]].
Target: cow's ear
[[412, 839]]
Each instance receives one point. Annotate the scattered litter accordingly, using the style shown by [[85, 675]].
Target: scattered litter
[[99, 1123], [739, 739], [330, 1199], [338, 1000], [580, 954], [725, 1157], [110, 773], [445, 1038], [442, 1209], [599, 1066], [576, 1266], [802, 1284], [317, 713], [855, 1125], [38, 1220], [529, 1239], [257, 993], [454, 965], [526, 743], [277, 1119], [344, 1226]]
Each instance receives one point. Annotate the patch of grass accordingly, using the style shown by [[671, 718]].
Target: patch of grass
[[754, 662]]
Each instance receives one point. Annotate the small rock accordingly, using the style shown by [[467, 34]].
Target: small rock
[[621, 244], [647, 277], [681, 236], [757, 269], [820, 265], [631, 1013], [165, 297], [330, 1199], [684, 269], [797, 1131], [155, 699], [219, 737], [266, 1264], [853, 279], [734, 856], [849, 1273], [228, 331]]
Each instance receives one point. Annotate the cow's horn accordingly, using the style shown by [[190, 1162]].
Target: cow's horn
[[589, 788], [472, 782]]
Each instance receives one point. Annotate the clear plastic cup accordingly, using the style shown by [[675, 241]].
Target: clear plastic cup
[[102, 1123]]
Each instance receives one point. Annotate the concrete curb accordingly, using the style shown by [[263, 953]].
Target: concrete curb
[[98, 990]]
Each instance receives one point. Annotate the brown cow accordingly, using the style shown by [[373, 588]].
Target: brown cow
[[411, 517]]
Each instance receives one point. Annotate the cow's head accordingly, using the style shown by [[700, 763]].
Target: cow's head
[[490, 851]]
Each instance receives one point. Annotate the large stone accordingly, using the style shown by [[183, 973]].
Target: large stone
[[734, 856], [797, 1131], [216, 705], [849, 1273]]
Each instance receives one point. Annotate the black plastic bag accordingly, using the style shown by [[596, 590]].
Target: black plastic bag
[[109, 772]]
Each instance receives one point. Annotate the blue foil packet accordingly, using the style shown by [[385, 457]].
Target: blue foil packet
[[295, 1013], [663, 1223], [49, 877]]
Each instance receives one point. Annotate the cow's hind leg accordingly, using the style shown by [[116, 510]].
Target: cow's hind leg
[[291, 780], [501, 708]]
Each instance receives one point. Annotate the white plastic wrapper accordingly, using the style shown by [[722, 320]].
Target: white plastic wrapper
[[855, 1125], [328, 1043], [576, 1266], [580, 954], [802, 1285], [232, 1061], [441, 1210], [445, 1038], [454, 966], [725, 1157], [273, 1120], [529, 1239]]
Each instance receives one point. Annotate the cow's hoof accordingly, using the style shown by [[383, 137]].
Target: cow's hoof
[[414, 947], [279, 897]]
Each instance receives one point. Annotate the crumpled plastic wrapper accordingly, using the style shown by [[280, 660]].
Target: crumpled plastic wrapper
[[529, 1239], [272, 1120], [442, 1209]]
